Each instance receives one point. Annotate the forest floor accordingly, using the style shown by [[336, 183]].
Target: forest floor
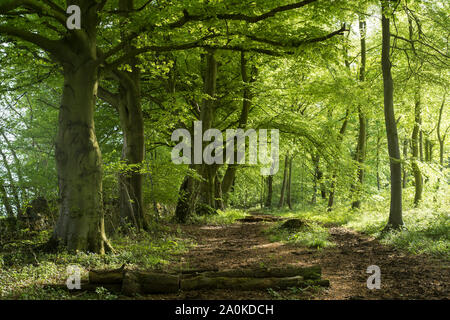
[[246, 245]]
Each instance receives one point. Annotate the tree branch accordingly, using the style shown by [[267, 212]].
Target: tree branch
[[54, 47], [239, 16], [37, 6]]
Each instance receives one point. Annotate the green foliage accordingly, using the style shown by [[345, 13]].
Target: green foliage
[[310, 235], [221, 218], [27, 273], [427, 228]]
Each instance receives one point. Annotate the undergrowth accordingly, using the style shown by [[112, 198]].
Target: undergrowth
[[26, 272], [427, 227], [311, 235]]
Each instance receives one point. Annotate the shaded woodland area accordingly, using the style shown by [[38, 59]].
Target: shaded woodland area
[[358, 91]]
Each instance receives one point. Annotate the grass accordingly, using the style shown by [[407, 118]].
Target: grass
[[312, 235], [26, 274], [222, 218], [427, 228]]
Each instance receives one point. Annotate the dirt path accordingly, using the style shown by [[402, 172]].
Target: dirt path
[[243, 245]]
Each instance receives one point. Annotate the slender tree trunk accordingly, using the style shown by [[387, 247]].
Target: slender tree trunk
[[361, 146], [418, 179], [378, 160], [263, 187], [12, 183], [289, 185], [395, 213], [133, 150], [405, 156], [441, 137], [315, 160], [430, 151], [334, 176], [283, 187], [420, 140], [18, 168], [246, 104], [5, 201], [269, 191], [132, 124]]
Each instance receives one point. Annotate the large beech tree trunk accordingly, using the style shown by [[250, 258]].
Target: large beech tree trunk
[[395, 213], [80, 225]]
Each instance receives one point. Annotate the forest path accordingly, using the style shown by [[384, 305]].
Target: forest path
[[244, 245]]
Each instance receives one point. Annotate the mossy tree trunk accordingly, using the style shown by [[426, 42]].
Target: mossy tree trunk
[[80, 225]]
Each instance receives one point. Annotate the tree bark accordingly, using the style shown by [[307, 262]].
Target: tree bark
[[80, 226], [405, 156], [441, 137], [283, 187], [18, 168], [418, 179], [133, 150], [134, 282], [194, 192], [360, 153], [5, 201], [12, 183], [377, 160], [289, 184], [395, 213], [315, 161], [269, 191], [334, 176], [230, 173]]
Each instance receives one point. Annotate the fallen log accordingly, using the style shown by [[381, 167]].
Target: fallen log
[[131, 282], [107, 276], [191, 271], [313, 272], [259, 218], [147, 282], [246, 284]]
